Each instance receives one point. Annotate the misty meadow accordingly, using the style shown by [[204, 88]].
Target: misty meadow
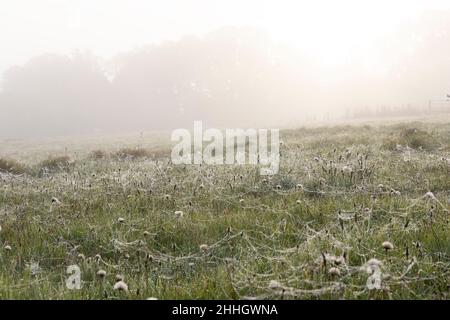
[[356, 98]]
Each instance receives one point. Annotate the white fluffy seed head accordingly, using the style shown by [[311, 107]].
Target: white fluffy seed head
[[334, 271], [273, 284], [430, 195], [179, 213], [119, 277], [120, 220], [347, 169], [121, 286], [339, 261], [387, 245], [204, 247], [8, 248], [101, 273], [372, 265], [81, 256]]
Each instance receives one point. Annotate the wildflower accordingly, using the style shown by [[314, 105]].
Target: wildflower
[[387, 245], [334, 271], [273, 284], [55, 201], [299, 202], [179, 213], [81, 256], [8, 248], [121, 286], [204, 247], [101, 273], [121, 220]]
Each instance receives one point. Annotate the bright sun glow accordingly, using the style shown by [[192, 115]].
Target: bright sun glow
[[336, 32]]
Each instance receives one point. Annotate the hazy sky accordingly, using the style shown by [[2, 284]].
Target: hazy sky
[[324, 29]]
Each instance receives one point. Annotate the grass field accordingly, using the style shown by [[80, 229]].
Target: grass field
[[317, 230]]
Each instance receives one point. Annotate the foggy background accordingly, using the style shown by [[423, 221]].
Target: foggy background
[[72, 67]]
